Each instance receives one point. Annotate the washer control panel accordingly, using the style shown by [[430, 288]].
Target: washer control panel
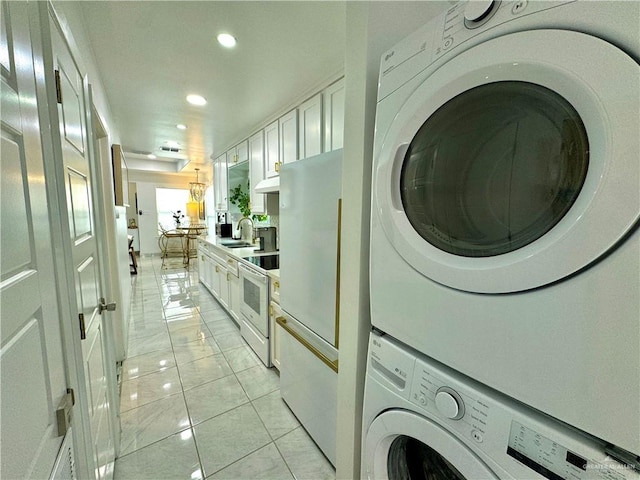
[[522, 441], [437, 395], [554, 461]]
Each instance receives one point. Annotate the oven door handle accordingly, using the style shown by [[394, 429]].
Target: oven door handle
[[252, 274]]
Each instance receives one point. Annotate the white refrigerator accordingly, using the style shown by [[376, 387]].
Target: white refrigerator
[[310, 216]]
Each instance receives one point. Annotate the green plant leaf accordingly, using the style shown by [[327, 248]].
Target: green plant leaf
[[241, 198]]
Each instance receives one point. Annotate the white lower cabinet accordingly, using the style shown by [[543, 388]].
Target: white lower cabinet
[[205, 266], [223, 284], [275, 331], [234, 296], [219, 273]]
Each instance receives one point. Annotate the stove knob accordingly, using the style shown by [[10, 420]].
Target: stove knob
[[476, 10], [449, 403]]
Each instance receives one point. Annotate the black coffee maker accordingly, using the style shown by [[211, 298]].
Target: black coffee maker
[[223, 228]]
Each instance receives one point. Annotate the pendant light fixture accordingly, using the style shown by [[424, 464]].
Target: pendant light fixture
[[196, 189]]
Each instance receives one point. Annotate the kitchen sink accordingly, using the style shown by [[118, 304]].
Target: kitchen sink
[[236, 244]]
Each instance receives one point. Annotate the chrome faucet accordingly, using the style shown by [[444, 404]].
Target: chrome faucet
[[240, 225]]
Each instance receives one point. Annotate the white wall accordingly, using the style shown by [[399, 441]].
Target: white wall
[[146, 184], [372, 28]]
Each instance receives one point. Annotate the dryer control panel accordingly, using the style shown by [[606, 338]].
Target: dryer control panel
[[445, 34]]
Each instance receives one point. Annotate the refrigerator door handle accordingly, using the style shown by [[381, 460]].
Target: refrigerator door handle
[[338, 250], [332, 364]]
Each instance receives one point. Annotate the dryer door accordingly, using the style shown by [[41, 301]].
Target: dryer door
[[515, 164], [401, 445]]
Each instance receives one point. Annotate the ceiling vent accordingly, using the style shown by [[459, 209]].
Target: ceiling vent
[[170, 149]]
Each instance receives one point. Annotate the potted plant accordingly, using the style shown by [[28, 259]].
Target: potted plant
[[177, 216], [242, 199]]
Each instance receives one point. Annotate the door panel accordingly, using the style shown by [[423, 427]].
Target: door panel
[[32, 373], [72, 107], [72, 115], [79, 205]]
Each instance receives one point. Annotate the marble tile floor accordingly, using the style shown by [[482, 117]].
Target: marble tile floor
[[196, 402]]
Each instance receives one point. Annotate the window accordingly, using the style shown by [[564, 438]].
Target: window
[[168, 202]]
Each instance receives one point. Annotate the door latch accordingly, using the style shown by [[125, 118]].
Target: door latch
[[110, 307], [63, 413]]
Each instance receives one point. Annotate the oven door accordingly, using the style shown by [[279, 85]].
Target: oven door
[[254, 292]]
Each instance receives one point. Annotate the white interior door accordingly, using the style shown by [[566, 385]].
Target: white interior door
[[32, 368], [84, 243]]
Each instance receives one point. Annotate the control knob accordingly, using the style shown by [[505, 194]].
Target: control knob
[[476, 10], [449, 403]]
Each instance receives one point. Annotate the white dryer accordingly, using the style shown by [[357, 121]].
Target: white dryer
[[422, 420], [506, 204]]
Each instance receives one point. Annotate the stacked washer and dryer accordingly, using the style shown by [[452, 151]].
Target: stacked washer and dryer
[[505, 248]]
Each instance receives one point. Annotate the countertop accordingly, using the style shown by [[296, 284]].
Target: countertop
[[238, 253]]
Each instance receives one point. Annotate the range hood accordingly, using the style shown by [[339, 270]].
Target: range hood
[[268, 185]]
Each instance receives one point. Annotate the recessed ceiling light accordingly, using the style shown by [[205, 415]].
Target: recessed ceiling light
[[151, 156], [180, 126], [226, 40], [196, 100]]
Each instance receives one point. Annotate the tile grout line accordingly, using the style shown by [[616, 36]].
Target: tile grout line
[[184, 399], [185, 279]]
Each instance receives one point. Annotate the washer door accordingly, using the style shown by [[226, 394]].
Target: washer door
[[402, 445], [515, 164]]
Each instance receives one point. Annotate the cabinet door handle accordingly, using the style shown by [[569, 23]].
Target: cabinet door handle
[[276, 284], [227, 276], [276, 166], [217, 269]]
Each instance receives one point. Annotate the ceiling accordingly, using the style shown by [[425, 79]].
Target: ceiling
[[152, 54]]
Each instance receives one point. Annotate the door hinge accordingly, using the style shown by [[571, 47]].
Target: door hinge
[[58, 87], [64, 411], [83, 332]]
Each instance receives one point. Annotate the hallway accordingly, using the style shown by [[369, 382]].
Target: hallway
[[196, 402]]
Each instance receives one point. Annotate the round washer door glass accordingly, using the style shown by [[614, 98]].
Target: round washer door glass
[[411, 459], [494, 168]]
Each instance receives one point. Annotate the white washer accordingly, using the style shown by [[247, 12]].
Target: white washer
[[506, 204], [422, 420]]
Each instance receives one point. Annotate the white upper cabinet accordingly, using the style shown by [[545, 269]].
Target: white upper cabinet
[[271, 150], [238, 154], [242, 151], [334, 116], [289, 137], [220, 183], [310, 127], [256, 171]]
